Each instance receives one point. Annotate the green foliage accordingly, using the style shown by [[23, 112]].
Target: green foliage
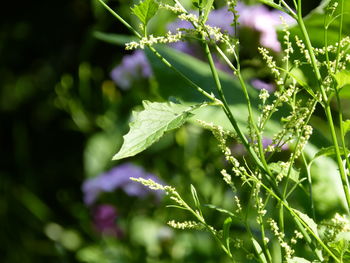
[[297, 260], [170, 85], [342, 78], [150, 125], [259, 250], [341, 246], [346, 126], [226, 232], [240, 116], [207, 9], [279, 170], [308, 221], [145, 10], [330, 151]]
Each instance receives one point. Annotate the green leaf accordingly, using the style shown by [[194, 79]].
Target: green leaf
[[197, 4], [195, 197], [308, 221], [342, 78], [297, 260], [327, 188], [145, 10], [115, 39], [346, 126], [207, 9], [221, 210], [258, 250], [277, 169], [330, 151], [150, 125], [226, 232], [171, 85]]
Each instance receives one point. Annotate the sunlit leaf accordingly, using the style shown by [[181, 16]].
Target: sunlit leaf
[[308, 221], [171, 85], [346, 126], [342, 78], [259, 250], [221, 210], [330, 151], [195, 197], [207, 9], [226, 232], [277, 169], [145, 10], [150, 125]]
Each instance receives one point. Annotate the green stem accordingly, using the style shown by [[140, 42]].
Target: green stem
[[326, 106], [340, 33], [301, 224], [342, 132], [166, 62], [126, 24], [236, 71], [309, 179], [201, 219], [340, 110]]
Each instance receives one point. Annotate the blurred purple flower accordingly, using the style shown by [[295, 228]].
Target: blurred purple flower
[[221, 18], [132, 67], [104, 220], [239, 150], [261, 19], [267, 141], [257, 17], [259, 84], [118, 178]]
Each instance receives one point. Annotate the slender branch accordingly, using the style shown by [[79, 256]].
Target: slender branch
[[326, 105]]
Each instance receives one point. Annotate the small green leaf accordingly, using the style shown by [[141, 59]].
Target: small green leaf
[[221, 210], [145, 10], [297, 260], [346, 126], [277, 169], [226, 232], [197, 4], [258, 250], [150, 125], [330, 151], [342, 78], [308, 221], [207, 9], [195, 197]]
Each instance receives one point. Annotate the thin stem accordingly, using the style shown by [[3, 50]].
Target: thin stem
[[340, 33], [126, 24], [166, 62], [326, 105], [299, 222], [341, 128], [340, 109], [201, 219], [189, 81], [309, 179]]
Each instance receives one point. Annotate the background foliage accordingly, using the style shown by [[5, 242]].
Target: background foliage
[[62, 118]]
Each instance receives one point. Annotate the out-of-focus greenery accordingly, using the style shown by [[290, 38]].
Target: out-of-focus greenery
[[62, 119]]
